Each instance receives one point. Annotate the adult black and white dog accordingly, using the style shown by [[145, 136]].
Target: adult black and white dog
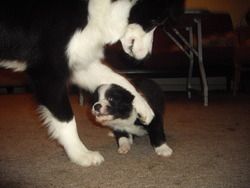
[[57, 42], [113, 107]]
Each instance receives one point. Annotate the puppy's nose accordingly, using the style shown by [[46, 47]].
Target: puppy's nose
[[97, 107]]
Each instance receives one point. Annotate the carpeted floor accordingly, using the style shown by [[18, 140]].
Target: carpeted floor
[[211, 148]]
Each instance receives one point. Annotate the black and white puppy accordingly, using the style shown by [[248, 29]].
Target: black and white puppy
[[113, 107], [61, 42]]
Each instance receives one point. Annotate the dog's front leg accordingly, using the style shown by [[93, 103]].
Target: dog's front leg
[[97, 74], [58, 116], [66, 135]]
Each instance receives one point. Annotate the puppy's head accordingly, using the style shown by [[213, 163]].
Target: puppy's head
[[111, 102], [144, 17]]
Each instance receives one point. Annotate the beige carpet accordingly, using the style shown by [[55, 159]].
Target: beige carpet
[[211, 148]]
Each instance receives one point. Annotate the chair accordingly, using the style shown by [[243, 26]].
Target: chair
[[242, 56]]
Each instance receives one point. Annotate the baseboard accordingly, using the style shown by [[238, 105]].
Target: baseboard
[[180, 84]]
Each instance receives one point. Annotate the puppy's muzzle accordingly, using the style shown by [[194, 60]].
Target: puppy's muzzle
[[97, 107]]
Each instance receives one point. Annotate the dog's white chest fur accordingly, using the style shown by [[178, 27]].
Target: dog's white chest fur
[[107, 23]]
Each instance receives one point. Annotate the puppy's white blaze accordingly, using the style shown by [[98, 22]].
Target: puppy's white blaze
[[66, 134], [102, 91], [16, 66], [104, 103], [163, 150]]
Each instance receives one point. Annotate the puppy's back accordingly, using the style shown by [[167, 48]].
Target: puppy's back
[[152, 92]]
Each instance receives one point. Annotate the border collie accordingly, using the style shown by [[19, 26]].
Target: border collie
[[61, 42], [113, 107]]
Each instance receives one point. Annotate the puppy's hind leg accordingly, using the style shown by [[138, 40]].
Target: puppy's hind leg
[[157, 137]]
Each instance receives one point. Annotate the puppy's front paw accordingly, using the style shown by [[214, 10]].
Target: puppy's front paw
[[124, 145], [124, 148], [146, 114], [164, 150]]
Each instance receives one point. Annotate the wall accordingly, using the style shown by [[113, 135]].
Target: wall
[[236, 8]]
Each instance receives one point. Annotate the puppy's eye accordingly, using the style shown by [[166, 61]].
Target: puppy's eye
[[110, 99]]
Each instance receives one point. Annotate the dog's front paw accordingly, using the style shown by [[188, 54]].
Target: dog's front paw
[[87, 158], [146, 114], [163, 150]]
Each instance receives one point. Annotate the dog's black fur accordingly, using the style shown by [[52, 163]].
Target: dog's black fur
[[148, 13], [36, 34]]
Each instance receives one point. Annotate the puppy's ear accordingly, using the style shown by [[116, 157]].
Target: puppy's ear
[[128, 97], [131, 98], [121, 94]]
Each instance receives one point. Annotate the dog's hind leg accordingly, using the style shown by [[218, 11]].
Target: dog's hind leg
[[97, 74], [57, 114]]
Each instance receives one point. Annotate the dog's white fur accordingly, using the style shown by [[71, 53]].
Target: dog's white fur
[[136, 42], [107, 23], [66, 134], [16, 66]]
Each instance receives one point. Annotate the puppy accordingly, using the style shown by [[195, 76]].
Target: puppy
[[113, 107]]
